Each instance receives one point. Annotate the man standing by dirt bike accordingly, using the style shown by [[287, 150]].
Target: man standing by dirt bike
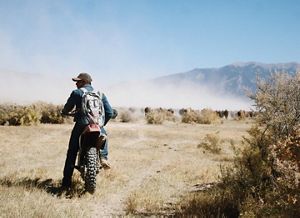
[[83, 83]]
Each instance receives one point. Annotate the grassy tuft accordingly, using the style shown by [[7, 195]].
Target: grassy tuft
[[211, 143]]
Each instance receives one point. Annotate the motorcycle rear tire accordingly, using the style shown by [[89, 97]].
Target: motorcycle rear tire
[[91, 170]]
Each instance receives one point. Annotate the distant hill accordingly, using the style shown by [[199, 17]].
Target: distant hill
[[230, 79]]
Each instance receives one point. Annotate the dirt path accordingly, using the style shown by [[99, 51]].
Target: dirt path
[[159, 154], [114, 204]]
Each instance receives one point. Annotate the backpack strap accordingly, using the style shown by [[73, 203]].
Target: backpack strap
[[83, 103], [86, 91]]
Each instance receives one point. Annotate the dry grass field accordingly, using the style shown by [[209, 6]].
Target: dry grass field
[[153, 167]]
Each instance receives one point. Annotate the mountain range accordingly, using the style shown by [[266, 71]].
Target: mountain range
[[231, 79]]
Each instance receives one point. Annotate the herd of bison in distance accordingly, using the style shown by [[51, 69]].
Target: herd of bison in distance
[[241, 114]]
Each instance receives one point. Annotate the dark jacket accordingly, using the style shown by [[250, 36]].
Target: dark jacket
[[75, 101]]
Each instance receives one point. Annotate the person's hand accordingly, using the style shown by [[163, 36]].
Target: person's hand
[[115, 113]]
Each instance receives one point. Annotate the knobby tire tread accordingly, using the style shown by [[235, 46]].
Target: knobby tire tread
[[91, 170]]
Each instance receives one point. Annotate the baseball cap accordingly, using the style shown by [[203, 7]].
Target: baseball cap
[[83, 76]]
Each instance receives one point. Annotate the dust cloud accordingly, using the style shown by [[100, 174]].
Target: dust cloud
[[25, 88], [142, 94]]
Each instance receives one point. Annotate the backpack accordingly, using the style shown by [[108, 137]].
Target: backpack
[[92, 107]]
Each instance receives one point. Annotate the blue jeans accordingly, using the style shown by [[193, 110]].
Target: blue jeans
[[72, 153], [104, 151]]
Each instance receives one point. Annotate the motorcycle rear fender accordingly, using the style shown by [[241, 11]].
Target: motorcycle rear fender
[[91, 128], [89, 139]]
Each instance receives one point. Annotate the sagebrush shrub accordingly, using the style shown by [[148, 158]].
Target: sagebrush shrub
[[159, 115], [4, 113], [277, 100], [208, 116], [211, 143], [52, 114], [190, 117], [264, 178], [126, 116], [205, 116], [267, 168], [155, 117], [17, 115], [40, 112]]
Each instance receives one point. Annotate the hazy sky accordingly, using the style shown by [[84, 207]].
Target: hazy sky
[[142, 39]]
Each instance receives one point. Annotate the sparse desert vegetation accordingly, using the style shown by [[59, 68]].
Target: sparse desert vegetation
[[185, 165], [205, 116], [265, 176], [26, 115], [211, 143], [153, 166]]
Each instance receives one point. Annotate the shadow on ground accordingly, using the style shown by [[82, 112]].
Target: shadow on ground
[[50, 186]]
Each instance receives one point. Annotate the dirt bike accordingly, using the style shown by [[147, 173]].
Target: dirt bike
[[88, 160]]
